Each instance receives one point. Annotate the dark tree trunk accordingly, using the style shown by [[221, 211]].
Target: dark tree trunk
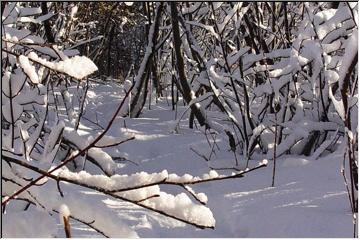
[[180, 64], [111, 37], [47, 27], [137, 104]]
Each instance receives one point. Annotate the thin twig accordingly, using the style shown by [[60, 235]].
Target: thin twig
[[115, 144], [192, 193], [5, 201], [147, 198], [199, 154], [114, 193], [89, 224]]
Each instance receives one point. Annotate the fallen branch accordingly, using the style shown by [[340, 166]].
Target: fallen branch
[[113, 193]]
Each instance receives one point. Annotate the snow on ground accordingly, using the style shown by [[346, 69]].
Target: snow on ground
[[309, 198]]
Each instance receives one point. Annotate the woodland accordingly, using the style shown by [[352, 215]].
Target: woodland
[[179, 119]]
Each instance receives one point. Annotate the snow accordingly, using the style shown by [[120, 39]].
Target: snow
[[338, 104], [115, 182], [28, 229], [6, 83], [30, 95], [350, 52], [44, 17], [84, 206], [213, 174], [64, 212], [202, 197], [104, 160], [229, 15], [265, 162], [29, 145], [235, 57], [308, 194], [74, 10], [177, 179], [294, 162], [26, 11], [209, 28], [331, 23], [52, 140], [243, 217], [83, 42], [191, 8], [23, 34], [24, 133], [77, 67], [29, 69], [17, 81], [141, 188], [323, 16], [17, 110], [110, 140], [324, 146], [182, 207], [171, 152]]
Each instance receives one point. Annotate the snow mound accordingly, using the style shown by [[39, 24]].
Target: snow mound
[[182, 207]]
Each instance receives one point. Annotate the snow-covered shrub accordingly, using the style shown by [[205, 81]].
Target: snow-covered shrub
[[246, 62], [257, 68], [45, 160]]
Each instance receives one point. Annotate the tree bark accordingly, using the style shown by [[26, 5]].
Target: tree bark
[[47, 26], [111, 37], [180, 64], [140, 89]]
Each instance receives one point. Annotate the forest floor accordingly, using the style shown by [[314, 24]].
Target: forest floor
[[309, 198]]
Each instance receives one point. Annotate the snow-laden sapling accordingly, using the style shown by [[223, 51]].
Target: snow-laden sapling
[[43, 151]]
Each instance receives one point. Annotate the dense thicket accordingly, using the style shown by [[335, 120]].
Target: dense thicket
[[269, 78]]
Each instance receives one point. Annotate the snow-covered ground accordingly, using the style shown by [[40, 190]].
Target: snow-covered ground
[[309, 198]]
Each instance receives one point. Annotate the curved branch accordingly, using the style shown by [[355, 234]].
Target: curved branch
[[5, 201]]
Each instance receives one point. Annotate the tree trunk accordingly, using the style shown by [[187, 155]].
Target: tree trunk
[[180, 64], [111, 37], [142, 78], [47, 26]]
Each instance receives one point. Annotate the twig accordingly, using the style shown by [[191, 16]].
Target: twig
[[114, 193], [82, 104], [97, 124], [28, 192], [59, 188], [226, 168], [199, 154], [147, 198], [115, 144], [346, 182], [5, 201], [89, 224], [275, 143], [125, 159], [192, 193]]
